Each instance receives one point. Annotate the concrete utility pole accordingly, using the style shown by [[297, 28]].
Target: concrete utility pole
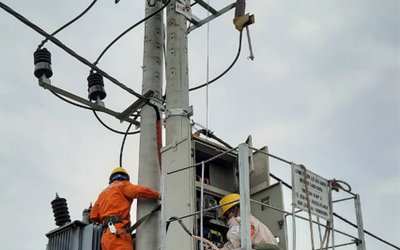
[[148, 234], [179, 196], [177, 123]]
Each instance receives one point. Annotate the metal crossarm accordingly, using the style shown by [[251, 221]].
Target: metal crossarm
[[44, 82], [197, 22], [206, 6]]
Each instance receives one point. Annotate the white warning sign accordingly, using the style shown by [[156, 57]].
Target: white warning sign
[[318, 190], [184, 9]]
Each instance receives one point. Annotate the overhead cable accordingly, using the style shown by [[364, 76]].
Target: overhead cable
[[365, 231], [123, 144], [98, 118], [226, 71], [111, 129], [211, 135], [174, 218], [70, 102], [129, 29], [69, 23], [68, 50]]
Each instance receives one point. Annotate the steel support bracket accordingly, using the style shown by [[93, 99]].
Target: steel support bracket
[[97, 106], [157, 102], [138, 104], [197, 22], [44, 81], [179, 112]]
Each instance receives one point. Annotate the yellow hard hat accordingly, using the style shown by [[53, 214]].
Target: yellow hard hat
[[229, 198], [119, 170]]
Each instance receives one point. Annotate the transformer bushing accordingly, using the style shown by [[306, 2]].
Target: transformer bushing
[[60, 210]]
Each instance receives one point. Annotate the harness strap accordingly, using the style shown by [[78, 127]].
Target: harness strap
[[113, 219], [140, 221]]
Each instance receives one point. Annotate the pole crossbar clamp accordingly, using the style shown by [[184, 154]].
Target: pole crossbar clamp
[[156, 102], [44, 81], [179, 112]]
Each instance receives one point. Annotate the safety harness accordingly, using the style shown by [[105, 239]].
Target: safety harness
[[110, 221]]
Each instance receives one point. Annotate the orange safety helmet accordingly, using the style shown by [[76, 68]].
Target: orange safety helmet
[[120, 171], [228, 198]]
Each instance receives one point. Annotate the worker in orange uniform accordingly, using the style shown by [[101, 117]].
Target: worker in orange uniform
[[113, 206], [260, 233]]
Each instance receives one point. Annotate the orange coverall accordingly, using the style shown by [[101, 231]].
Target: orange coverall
[[116, 200]]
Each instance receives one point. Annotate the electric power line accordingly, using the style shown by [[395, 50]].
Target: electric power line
[[98, 118], [69, 23], [129, 29], [365, 231], [227, 70], [123, 144], [70, 102], [111, 129], [68, 50]]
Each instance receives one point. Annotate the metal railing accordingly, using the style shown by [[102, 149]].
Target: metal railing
[[245, 200]]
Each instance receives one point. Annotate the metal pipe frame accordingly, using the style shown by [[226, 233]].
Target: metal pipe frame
[[360, 224], [198, 164], [341, 245], [344, 199], [243, 162], [244, 191]]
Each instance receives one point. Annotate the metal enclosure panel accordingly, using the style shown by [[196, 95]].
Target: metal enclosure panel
[[222, 177], [65, 237], [275, 220], [179, 193], [260, 175], [91, 238]]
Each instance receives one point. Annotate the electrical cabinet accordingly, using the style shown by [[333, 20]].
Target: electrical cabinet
[[218, 178], [275, 220], [221, 177]]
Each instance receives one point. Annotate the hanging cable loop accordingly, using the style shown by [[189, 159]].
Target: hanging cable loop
[[226, 71]]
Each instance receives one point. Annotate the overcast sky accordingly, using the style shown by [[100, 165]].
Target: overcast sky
[[322, 91]]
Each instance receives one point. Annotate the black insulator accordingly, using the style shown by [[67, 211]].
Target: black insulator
[[96, 87], [42, 61], [60, 210]]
